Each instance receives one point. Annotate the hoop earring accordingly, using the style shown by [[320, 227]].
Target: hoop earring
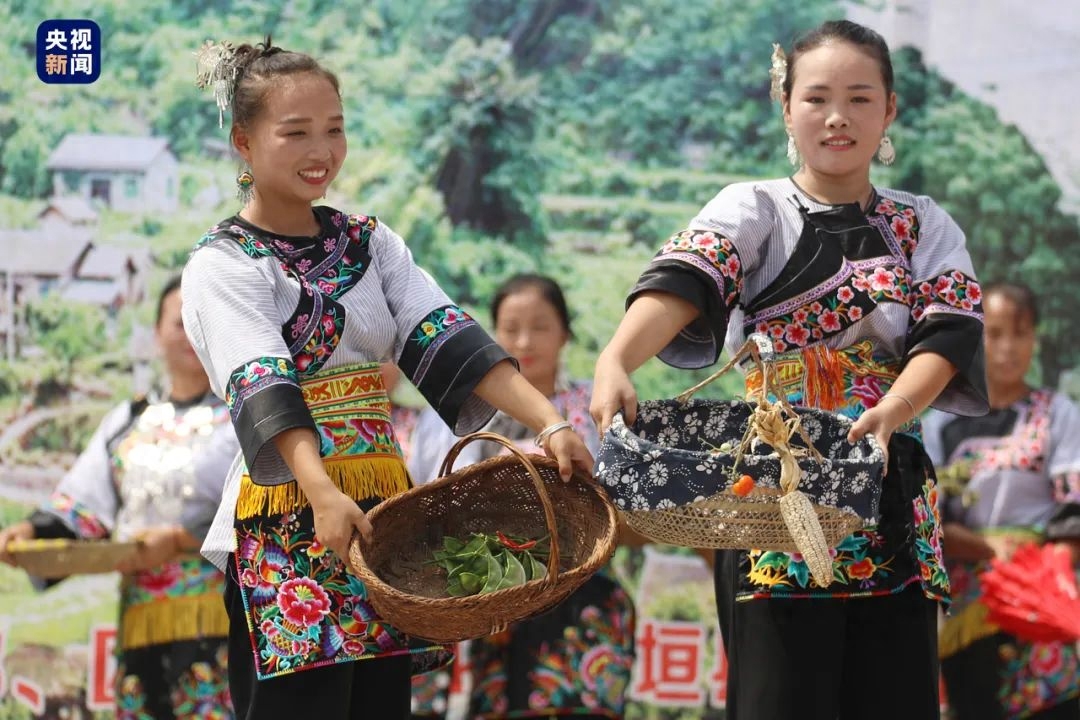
[[245, 186], [886, 153], [792, 150]]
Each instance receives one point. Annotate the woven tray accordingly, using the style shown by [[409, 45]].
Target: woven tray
[[60, 558]]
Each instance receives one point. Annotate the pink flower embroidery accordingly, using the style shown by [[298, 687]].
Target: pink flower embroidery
[[860, 282], [882, 279], [974, 292], [845, 294], [900, 227], [302, 601], [796, 335], [943, 283], [329, 244], [777, 331], [854, 313], [816, 307], [733, 266], [800, 316], [298, 326], [830, 321]]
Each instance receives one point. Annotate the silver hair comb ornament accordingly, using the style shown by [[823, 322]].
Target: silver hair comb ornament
[[777, 72], [215, 68]]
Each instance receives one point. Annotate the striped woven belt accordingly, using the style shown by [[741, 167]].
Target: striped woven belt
[[849, 381]]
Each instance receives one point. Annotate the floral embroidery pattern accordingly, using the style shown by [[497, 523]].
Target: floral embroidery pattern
[[902, 225], [307, 610], [202, 691], [858, 564], [712, 254], [438, 322], [131, 700], [952, 292], [1023, 449], [78, 517], [255, 376], [360, 435], [184, 578], [927, 521], [1037, 676], [587, 669]]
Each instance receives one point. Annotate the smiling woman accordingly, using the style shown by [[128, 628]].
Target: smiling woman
[[291, 309]]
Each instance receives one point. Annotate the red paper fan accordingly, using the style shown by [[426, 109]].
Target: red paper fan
[[1033, 595]]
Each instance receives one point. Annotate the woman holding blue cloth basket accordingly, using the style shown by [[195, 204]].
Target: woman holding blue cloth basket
[[869, 301]]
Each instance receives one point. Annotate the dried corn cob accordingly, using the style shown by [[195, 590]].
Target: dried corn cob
[[805, 528]]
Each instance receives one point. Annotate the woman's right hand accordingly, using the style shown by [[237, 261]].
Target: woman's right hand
[[612, 391], [21, 530], [337, 519]]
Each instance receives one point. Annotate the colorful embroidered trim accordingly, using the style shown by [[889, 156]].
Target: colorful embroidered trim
[[77, 516], [358, 445], [255, 376], [710, 253]]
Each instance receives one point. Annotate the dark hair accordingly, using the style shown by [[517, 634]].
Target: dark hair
[[1019, 294], [170, 287], [258, 67], [860, 36], [548, 289]]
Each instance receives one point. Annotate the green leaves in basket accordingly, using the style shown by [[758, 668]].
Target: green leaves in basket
[[488, 562]]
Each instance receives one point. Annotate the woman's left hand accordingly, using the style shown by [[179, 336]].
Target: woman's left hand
[[569, 450], [157, 546], [880, 421]]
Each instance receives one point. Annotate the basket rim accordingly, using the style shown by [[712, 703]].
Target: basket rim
[[599, 555], [619, 432]]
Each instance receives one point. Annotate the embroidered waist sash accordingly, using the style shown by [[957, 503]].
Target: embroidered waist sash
[[359, 449], [181, 600], [848, 381]]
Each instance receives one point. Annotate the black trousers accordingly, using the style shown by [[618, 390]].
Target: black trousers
[[828, 659], [377, 689]]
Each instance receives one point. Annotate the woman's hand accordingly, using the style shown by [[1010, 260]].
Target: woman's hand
[[337, 519], [881, 421], [21, 530], [157, 546], [612, 391], [569, 450]]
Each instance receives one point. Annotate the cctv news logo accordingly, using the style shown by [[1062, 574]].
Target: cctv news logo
[[68, 52]]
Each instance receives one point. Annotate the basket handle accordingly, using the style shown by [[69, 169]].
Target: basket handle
[[757, 347], [538, 483]]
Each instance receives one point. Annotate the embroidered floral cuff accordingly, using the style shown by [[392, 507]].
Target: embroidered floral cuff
[[76, 517], [264, 399], [704, 269], [445, 357]]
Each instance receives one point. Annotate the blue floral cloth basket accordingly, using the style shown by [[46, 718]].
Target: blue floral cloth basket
[[672, 473]]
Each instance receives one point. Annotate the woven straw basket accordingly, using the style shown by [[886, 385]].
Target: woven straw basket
[[52, 559], [518, 494], [671, 474]]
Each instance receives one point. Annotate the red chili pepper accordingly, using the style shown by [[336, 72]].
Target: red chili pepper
[[527, 545]]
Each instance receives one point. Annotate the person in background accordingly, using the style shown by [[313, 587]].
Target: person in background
[[153, 471], [1022, 463], [574, 661]]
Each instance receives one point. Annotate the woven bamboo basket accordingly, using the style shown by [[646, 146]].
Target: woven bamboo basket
[[59, 558], [517, 494], [672, 473]]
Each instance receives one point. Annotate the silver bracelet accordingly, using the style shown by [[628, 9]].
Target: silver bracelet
[[551, 430], [914, 412]]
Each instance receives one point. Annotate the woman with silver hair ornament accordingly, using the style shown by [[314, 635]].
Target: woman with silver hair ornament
[[292, 308]]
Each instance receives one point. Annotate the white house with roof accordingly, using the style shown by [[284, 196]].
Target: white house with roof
[[122, 172]]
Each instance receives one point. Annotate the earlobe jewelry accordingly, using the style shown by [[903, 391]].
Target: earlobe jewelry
[[792, 150], [245, 186], [886, 153]]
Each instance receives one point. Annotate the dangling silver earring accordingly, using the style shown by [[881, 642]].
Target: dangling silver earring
[[886, 153], [792, 150], [245, 186]]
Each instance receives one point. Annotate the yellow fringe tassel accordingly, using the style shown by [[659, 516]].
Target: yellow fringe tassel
[[360, 477], [173, 620], [964, 629]]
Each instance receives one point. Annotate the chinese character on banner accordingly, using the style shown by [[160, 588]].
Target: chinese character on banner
[[670, 664], [101, 670], [718, 678], [68, 51], [28, 694]]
